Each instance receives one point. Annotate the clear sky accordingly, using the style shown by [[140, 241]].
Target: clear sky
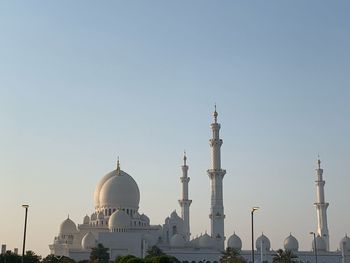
[[82, 82]]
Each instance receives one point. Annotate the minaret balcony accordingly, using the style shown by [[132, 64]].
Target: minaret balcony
[[183, 202], [215, 142], [216, 172], [184, 179]]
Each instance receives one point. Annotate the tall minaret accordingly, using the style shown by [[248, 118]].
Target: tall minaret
[[185, 202], [216, 175], [321, 205]]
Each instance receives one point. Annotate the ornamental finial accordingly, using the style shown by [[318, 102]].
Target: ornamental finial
[[318, 161], [185, 158], [215, 114], [118, 166]]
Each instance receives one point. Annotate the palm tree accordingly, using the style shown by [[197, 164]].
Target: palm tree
[[231, 256], [285, 256], [99, 254], [154, 251]]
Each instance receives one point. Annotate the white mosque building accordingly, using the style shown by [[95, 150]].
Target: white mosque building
[[119, 226]]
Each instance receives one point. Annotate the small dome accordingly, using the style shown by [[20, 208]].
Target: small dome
[[291, 243], [174, 215], [136, 215], [68, 227], [345, 243], [93, 216], [206, 241], [119, 220], [234, 242], [119, 191], [150, 239], [88, 241], [264, 242], [86, 220], [320, 244], [100, 215], [177, 240], [145, 218], [195, 242]]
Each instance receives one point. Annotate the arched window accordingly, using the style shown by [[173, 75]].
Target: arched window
[[174, 230], [127, 211], [109, 211]]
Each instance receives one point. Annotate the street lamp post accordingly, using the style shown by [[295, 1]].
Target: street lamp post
[[315, 247], [252, 215], [25, 231]]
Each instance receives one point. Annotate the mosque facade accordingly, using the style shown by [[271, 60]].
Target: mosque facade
[[119, 226]]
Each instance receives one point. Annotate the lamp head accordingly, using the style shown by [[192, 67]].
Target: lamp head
[[255, 208], [25, 206]]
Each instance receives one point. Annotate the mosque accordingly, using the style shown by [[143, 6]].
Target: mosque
[[119, 226]]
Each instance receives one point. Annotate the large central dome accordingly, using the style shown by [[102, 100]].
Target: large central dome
[[117, 190]]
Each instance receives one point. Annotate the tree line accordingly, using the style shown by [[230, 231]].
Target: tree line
[[100, 254]]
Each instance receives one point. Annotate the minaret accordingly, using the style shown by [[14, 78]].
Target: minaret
[[321, 205], [185, 202], [216, 175]]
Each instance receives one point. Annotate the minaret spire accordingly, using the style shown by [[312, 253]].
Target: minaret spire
[[321, 205], [216, 175], [184, 201]]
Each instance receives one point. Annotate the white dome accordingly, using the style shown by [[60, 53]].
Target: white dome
[[291, 243], [345, 243], [174, 215], [68, 227], [93, 216], [99, 186], [86, 220], [195, 242], [88, 241], [119, 220], [234, 242], [136, 215], [320, 244], [100, 215], [264, 241], [145, 218], [150, 239], [119, 191], [177, 240], [206, 241]]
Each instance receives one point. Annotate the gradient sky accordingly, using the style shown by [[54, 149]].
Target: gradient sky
[[82, 82]]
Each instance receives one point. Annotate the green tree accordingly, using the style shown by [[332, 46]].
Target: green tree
[[57, 259], [10, 257], [124, 259], [231, 256], [162, 259], [284, 256], [99, 254], [154, 251]]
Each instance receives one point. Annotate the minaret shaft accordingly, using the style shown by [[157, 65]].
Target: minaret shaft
[[321, 206], [216, 175], [184, 201]]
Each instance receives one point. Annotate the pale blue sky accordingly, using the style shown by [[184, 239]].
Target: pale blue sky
[[82, 82]]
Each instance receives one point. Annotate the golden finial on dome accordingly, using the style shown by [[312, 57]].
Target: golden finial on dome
[[118, 166]]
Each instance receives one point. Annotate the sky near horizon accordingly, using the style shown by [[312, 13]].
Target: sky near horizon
[[82, 82]]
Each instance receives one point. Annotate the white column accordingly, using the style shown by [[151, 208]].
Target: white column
[[216, 175], [321, 205], [184, 201]]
